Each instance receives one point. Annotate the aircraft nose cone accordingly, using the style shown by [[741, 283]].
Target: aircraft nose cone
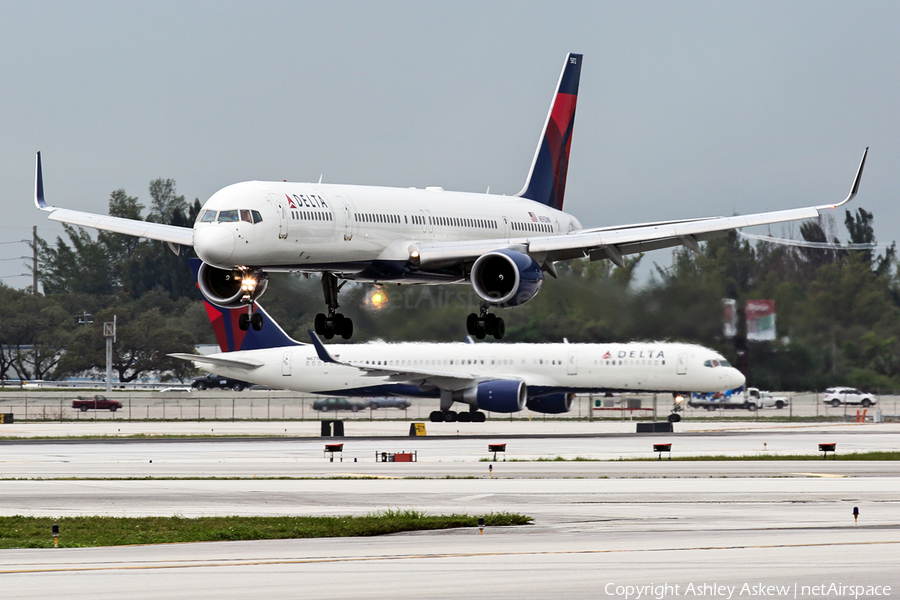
[[214, 244], [734, 378]]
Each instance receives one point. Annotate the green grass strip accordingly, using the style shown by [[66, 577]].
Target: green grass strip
[[86, 532]]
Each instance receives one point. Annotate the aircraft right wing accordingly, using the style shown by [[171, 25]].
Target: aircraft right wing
[[615, 242], [172, 234]]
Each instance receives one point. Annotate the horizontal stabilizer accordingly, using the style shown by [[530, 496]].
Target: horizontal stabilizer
[[218, 361]]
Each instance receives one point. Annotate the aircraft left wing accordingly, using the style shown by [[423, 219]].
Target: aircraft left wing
[[615, 242], [441, 379], [172, 234]]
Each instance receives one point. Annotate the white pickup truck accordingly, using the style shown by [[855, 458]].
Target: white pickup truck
[[753, 399]]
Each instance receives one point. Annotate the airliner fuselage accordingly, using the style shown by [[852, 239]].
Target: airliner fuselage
[[361, 233]]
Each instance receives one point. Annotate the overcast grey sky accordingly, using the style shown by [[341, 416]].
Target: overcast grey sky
[[685, 108]]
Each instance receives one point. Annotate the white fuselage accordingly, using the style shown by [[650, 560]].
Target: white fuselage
[[545, 368], [360, 232]]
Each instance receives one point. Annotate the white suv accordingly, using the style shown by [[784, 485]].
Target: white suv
[[845, 395]]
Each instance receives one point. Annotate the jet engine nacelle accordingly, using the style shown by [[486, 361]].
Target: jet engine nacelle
[[506, 278], [501, 395], [226, 287], [552, 404]]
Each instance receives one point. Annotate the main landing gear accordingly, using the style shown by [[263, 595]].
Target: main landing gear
[[334, 323], [451, 416], [485, 324]]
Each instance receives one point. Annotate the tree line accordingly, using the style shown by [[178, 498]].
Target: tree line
[[838, 310]]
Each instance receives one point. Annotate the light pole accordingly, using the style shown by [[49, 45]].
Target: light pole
[[109, 332]]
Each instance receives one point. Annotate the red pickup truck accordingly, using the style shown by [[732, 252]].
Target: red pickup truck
[[97, 402]]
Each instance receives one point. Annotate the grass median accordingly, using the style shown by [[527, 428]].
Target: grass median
[[86, 532]]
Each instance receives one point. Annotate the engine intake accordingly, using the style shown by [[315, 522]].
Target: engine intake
[[506, 278], [227, 288], [552, 404]]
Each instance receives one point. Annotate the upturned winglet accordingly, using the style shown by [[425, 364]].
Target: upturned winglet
[[39, 186], [854, 189]]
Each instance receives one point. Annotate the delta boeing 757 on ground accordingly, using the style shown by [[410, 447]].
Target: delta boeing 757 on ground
[[501, 245], [502, 378]]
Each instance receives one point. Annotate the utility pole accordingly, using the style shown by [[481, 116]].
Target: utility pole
[[109, 332], [34, 267]]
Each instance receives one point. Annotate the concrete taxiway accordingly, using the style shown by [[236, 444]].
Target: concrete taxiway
[[602, 527]]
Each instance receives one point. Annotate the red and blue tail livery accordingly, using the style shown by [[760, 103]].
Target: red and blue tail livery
[[546, 181], [229, 335]]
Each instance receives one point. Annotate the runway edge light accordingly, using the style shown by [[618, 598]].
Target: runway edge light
[[55, 530]]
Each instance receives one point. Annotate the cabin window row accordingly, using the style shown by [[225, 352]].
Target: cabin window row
[[376, 218], [311, 215], [538, 227], [645, 362], [461, 222]]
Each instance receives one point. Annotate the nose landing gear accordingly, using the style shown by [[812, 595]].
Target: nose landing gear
[[334, 323], [485, 324], [251, 288]]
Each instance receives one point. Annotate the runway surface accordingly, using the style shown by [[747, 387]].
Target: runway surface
[[600, 526]]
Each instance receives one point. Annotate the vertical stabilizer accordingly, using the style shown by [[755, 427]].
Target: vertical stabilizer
[[546, 181], [224, 322]]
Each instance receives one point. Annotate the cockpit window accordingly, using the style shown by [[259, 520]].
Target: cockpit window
[[721, 362], [245, 216], [228, 216], [257, 218], [208, 216]]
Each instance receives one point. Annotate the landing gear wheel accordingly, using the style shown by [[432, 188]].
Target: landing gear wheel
[[485, 325], [320, 324], [450, 416], [436, 416], [472, 324], [673, 418], [464, 417], [256, 321], [347, 329], [499, 329], [478, 417], [244, 321]]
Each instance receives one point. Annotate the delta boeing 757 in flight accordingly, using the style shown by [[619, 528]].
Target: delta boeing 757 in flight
[[504, 378], [501, 245]]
